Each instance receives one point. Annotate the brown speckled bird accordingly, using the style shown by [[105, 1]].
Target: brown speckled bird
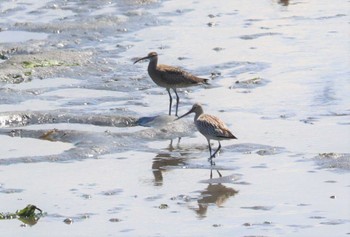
[[170, 77], [211, 127]]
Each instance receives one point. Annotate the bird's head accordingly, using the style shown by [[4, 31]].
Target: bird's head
[[150, 56], [196, 108]]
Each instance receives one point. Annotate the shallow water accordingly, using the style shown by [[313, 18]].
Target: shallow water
[[84, 133]]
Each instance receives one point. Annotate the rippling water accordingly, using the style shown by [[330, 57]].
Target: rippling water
[[85, 134]]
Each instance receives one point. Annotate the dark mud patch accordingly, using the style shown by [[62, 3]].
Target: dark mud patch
[[259, 35], [80, 17], [89, 144], [112, 192], [265, 223], [262, 150], [259, 208], [19, 119], [335, 222], [233, 69], [77, 218], [90, 23], [281, 116], [331, 160], [249, 83], [10, 190], [309, 120]]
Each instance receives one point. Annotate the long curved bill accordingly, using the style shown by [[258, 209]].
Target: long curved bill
[[140, 59], [184, 114]]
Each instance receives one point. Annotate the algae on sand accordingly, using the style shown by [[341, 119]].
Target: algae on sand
[[27, 215], [42, 64], [46, 63]]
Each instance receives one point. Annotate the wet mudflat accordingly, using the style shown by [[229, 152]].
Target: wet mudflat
[[85, 134]]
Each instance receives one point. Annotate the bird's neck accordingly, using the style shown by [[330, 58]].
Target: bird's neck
[[152, 64], [198, 113]]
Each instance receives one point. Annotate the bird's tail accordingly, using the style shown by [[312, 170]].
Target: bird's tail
[[228, 135], [205, 81]]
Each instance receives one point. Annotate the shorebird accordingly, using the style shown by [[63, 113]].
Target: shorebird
[[211, 127], [170, 77]]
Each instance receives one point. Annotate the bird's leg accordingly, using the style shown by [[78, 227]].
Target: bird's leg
[[178, 140], [216, 150], [209, 147], [177, 101], [170, 147], [211, 157], [170, 99]]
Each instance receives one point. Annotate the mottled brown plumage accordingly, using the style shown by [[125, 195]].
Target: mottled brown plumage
[[170, 77], [211, 127]]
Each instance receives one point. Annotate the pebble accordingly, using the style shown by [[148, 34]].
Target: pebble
[[68, 221]]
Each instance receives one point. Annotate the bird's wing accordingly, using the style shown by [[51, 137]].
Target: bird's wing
[[213, 126], [177, 76]]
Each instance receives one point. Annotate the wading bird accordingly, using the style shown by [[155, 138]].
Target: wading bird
[[211, 127], [170, 77]]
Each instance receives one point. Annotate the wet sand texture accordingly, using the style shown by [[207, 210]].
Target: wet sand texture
[[85, 134]]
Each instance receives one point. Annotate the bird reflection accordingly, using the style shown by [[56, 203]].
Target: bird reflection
[[216, 194], [211, 173], [283, 2], [165, 160], [171, 146], [29, 220]]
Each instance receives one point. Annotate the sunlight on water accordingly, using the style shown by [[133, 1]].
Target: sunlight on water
[[85, 134], [27, 147]]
